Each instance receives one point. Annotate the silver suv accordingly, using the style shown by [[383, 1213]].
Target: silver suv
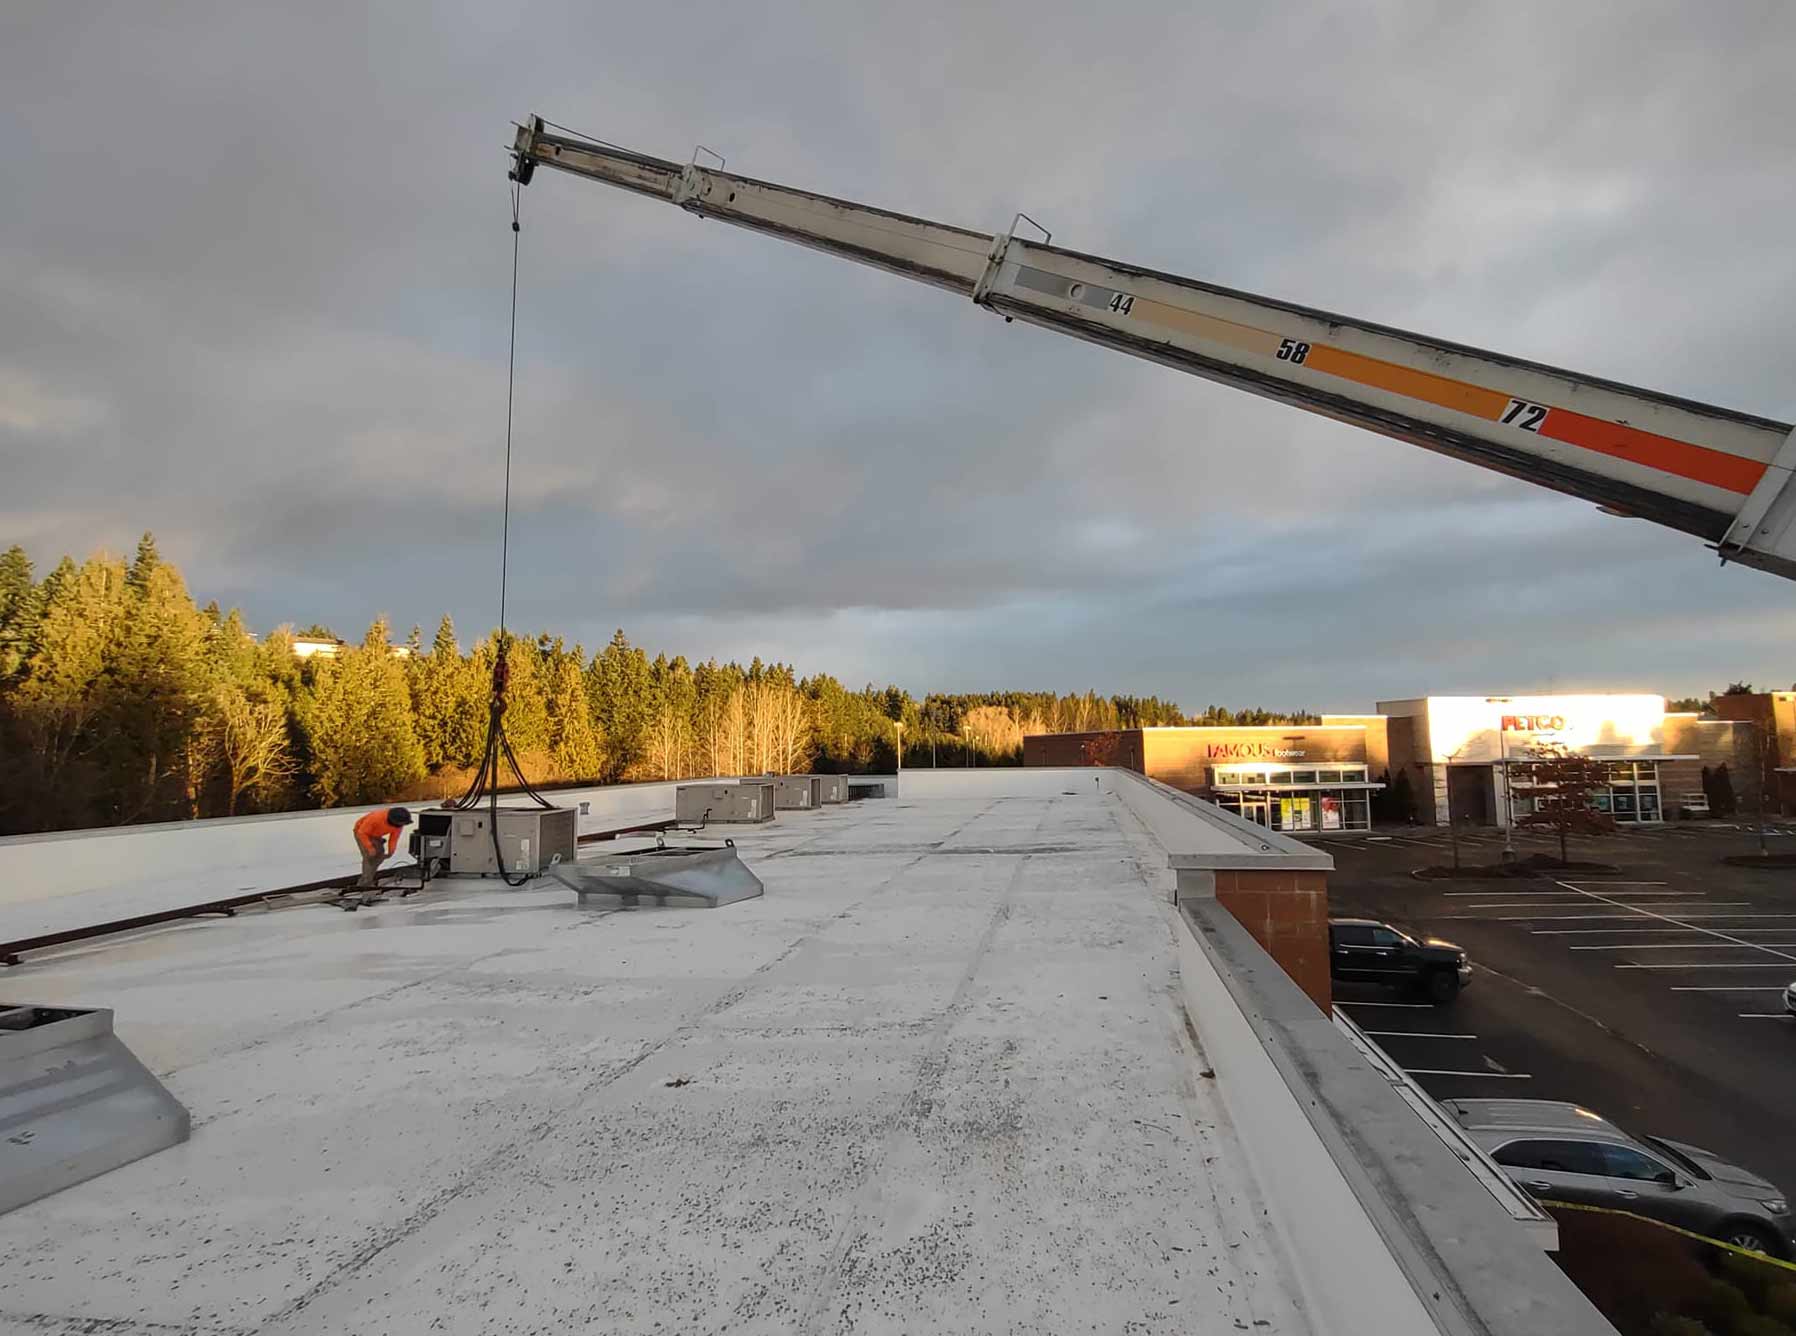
[[1566, 1153]]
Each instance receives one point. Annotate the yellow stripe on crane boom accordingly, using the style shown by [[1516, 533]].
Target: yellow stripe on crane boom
[[1720, 475]]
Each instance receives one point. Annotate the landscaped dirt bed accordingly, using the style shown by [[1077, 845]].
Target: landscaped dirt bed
[[1534, 865]]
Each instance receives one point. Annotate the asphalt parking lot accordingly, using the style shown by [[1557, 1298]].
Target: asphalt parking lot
[[1653, 995]]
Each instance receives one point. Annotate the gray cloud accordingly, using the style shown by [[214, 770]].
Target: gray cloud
[[254, 268]]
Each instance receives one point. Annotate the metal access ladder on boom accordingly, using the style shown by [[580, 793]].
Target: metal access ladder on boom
[[1720, 475]]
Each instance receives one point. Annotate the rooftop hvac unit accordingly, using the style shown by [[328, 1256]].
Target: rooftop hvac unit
[[716, 804], [74, 1102], [531, 839], [798, 793], [834, 788]]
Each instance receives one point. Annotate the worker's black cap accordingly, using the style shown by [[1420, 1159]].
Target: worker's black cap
[[399, 816]]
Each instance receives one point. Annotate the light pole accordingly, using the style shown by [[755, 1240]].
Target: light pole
[[1759, 730], [1508, 792], [898, 725]]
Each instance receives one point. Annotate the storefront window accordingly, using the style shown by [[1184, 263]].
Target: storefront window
[[1295, 811], [1634, 795], [1271, 797]]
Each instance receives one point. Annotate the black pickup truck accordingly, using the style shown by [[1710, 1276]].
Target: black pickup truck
[[1367, 951]]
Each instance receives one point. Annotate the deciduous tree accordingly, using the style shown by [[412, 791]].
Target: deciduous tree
[[250, 742], [1562, 785]]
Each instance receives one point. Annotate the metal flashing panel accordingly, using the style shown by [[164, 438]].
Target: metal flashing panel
[[74, 1102], [672, 875]]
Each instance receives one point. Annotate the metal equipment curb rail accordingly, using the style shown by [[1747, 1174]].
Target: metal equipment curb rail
[[12, 952]]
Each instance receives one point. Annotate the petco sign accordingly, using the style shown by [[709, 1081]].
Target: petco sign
[[1473, 730], [1534, 723]]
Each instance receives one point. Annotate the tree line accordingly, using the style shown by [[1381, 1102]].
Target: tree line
[[122, 701]]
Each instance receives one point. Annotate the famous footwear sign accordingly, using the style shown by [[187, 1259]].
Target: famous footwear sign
[[1253, 751]]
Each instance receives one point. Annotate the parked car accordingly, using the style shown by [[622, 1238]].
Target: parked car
[[1564, 1152], [1367, 951], [1790, 999]]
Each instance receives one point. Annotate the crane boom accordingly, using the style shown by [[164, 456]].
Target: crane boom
[[1720, 475]]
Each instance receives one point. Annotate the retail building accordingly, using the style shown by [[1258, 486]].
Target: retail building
[[1442, 758]]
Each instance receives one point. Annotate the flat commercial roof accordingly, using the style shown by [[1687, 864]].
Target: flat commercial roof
[[937, 1080]]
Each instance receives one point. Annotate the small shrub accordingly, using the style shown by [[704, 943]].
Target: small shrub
[[1757, 1324], [1675, 1324], [1780, 1303], [1719, 1304]]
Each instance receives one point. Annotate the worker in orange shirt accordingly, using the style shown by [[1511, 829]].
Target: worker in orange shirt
[[377, 839]]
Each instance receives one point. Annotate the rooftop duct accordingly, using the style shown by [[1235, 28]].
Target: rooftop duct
[[697, 876], [74, 1102]]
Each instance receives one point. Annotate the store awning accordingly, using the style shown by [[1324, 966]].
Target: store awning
[[1611, 753], [1331, 784]]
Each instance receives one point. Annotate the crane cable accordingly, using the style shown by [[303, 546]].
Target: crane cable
[[497, 751]]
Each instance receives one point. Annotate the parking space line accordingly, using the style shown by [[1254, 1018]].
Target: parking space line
[[1765, 1016], [1489, 1076], [1474, 895], [1638, 913], [1567, 904], [1727, 988], [1611, 932], [1418, 1034], [1679, 946], [1710, 965], [1569, 897], [1770, 951]]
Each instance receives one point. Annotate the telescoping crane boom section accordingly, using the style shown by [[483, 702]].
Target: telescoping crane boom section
[[1722, 476]]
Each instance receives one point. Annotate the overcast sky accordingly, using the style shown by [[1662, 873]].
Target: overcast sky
[[254, 267]]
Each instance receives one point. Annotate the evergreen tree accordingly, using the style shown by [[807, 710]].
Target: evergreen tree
[[160, 678], [65, 689], [448, 702], [619, 688], [526, 707], [358, 722], [146, 563], [20, 609], [573, 740]]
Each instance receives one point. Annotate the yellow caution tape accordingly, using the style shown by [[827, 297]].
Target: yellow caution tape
[[1675, 1229]]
